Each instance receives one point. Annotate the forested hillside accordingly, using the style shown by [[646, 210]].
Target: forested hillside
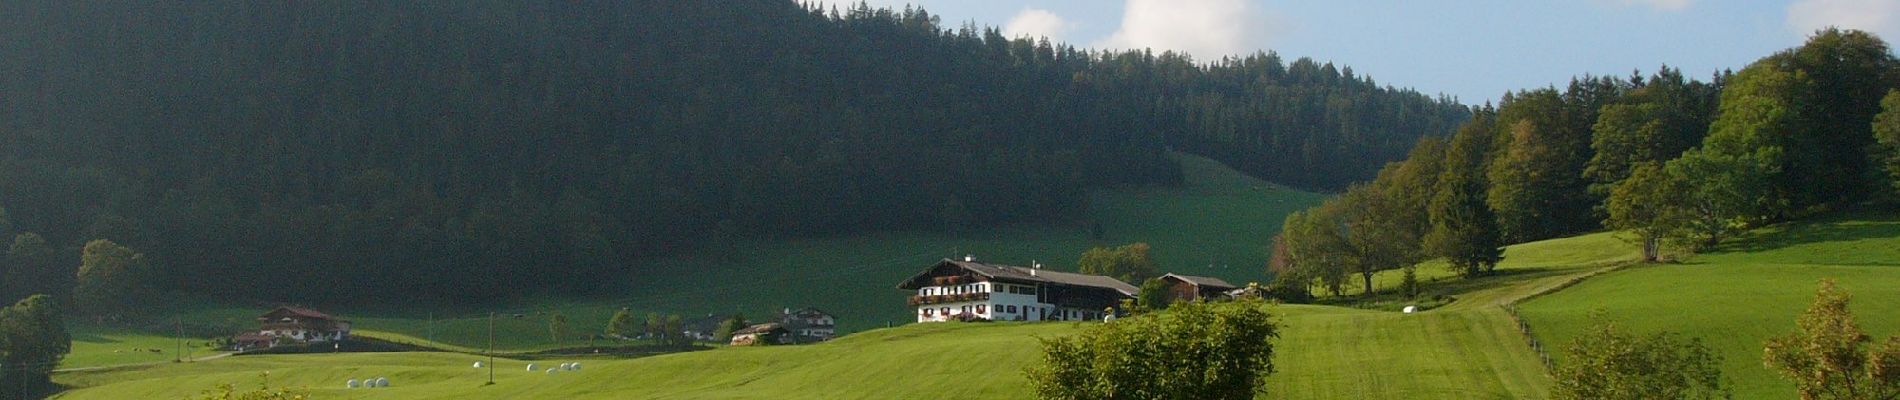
[[361, 152], [1682, 165]]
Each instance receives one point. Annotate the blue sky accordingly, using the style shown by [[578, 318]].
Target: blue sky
[[1475, 50]]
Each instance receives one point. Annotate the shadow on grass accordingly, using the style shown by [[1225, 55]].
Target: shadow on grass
[[1448, 287], [93, 338], [1839, 227]]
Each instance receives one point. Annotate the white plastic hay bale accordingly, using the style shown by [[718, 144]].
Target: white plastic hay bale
[[352, 384], [577, 366], [567, 366], [478, 364], [1411, 309], [551, 370], [382, 382], [532, 367]]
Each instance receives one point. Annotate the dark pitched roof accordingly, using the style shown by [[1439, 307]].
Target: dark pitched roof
[[296, 312], [809, 311], [1032, 275], [760, 328], [1203, 281]]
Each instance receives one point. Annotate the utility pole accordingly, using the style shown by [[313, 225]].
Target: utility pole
[[491, 347]]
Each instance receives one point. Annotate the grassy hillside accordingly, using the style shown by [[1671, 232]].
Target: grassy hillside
[[1217, 224], [1737, 297], [1468, 349]]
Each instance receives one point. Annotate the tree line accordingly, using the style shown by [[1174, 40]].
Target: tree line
[[1680, 164], [429, 152]]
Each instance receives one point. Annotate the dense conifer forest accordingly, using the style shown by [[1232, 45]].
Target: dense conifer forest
[[359, 152]]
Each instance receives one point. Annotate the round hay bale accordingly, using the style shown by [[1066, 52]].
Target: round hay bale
[[478, 364], [1411, 309], [532, 367], [352, 384], [577, 366], [382, 382]]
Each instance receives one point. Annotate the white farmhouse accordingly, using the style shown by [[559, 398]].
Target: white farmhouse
[[967, 289]]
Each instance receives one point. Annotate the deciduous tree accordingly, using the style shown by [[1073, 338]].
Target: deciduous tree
[[1194, 351], [1154, 295], [111, 278], [1609, 364], [620, 324], [35, 340], [1886, 152], [1128, 263], [1829, 358]]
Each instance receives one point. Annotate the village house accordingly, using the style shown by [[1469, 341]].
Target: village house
[[292, 325], [702, 328], [808, 325], [766, 333], [966, 289], [1187, 287]]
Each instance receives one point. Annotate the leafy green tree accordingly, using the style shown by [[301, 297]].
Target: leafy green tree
[[111, 279], [675, 330], [1534, 181], [655, 326], [1725, 192], [1315, 249], [1659, 119], [1463, 228], [1128, 263], [1886, 130], [1194, 351], [1154, 295], [1828, 356], [1609, 364], [35, 340], [1651, 204], [620, 324], [723, 333]]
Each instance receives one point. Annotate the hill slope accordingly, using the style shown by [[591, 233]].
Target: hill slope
[[1737, 297], [1216, 224], [1469, 349]]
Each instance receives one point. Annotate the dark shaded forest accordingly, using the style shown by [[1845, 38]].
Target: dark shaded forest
[[339, 152]]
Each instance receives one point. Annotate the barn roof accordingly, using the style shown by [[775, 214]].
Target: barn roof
[[1013, 273], [1203, 281], [290, 311], [760, 328]]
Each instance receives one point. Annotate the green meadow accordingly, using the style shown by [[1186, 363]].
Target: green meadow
[[1467, 349], [1735, 298], [1217, 224]]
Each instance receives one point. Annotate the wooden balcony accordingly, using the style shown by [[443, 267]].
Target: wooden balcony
[[947, 298]]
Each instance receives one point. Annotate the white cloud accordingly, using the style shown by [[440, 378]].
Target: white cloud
[[1658, 5], [1877, 16], [1038, 23], [1207, 29]]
